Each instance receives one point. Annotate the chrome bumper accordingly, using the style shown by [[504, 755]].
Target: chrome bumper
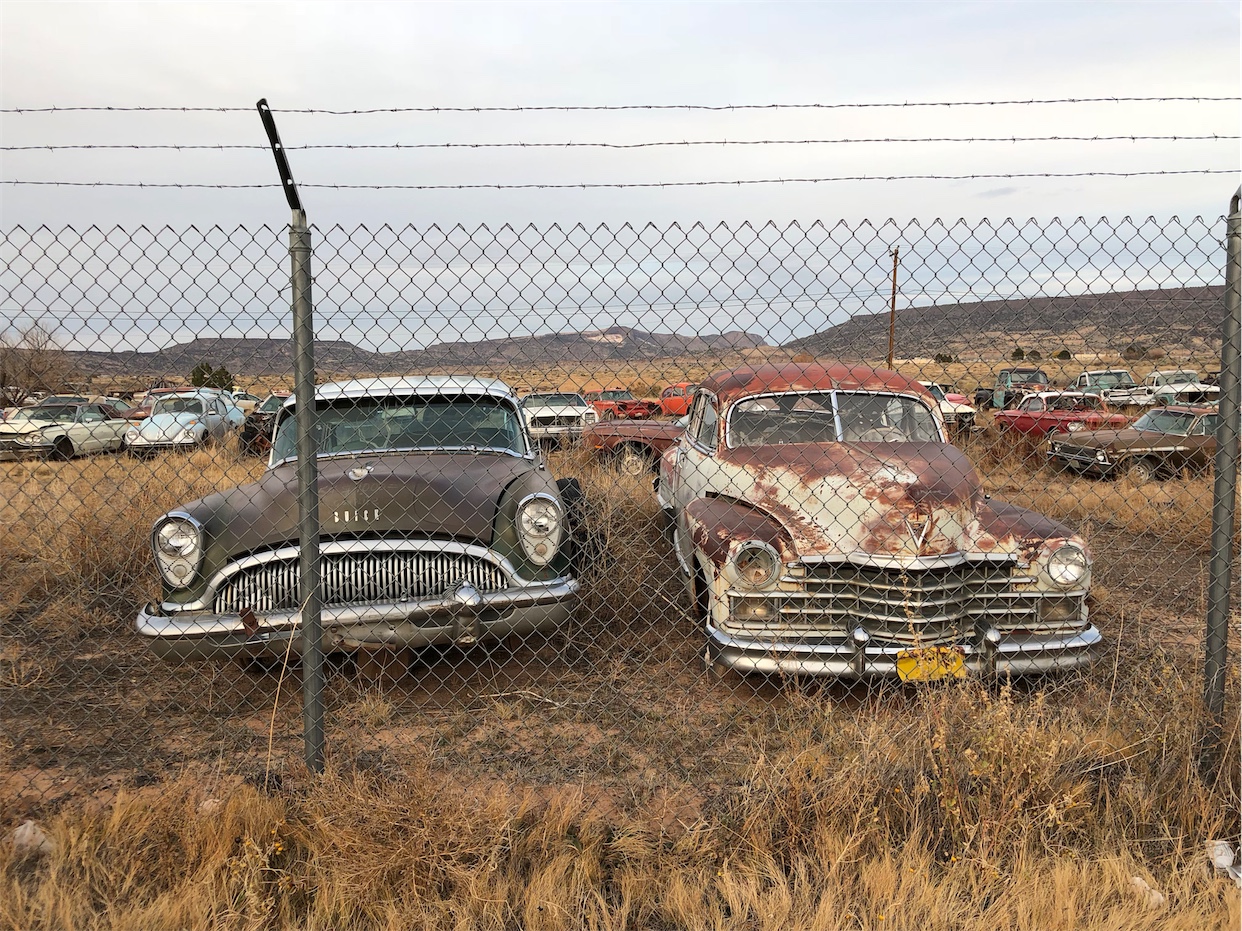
[[462, 616], [860, 658]]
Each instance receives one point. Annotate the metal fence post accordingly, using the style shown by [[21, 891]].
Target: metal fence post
[[1224, 495], [308, 487]]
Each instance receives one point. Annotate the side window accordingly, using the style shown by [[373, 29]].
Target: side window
[[702, 426], [1207, 426], [706, 434]]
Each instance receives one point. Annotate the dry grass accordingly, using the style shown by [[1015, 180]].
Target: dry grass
[[963, 809], [607, 784]]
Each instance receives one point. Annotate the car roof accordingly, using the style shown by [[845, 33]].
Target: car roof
[[1195, 409], [731, 384], [405, 385]]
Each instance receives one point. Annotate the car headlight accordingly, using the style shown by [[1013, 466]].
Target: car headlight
[[590, 417], [178, 543], [132, 434], [539, 527], [1076, 426], [1067, 565], [757, 564], [32, 439]]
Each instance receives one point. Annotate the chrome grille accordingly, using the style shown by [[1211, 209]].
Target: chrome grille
[[356, 578], [913, 606], [569, 420]]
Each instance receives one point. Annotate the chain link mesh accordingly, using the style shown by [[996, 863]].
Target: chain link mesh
[[837, 529]]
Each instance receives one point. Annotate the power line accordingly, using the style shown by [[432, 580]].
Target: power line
[[633, 184], [616, 107], [613, 145]]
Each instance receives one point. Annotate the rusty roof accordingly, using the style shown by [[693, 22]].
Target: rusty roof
[[737, 383]]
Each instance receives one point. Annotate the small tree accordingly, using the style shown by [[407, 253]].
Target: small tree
[[1034, 355], [1063, 355], [204, 376], [1017, 355], [944, 358], [32, 361]]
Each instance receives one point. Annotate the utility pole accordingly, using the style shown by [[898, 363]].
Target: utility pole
[[892, 309]]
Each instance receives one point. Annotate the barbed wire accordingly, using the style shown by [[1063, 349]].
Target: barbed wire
[[616, 107], [588, 185], [1213, 137]]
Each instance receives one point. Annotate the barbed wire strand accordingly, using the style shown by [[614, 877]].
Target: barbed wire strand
[[615, 107], [588, 185], [178, 147]]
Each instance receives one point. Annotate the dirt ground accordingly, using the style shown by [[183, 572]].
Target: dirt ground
[[626, 710]]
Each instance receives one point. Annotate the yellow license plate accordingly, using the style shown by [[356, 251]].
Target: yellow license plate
[[927, 664]]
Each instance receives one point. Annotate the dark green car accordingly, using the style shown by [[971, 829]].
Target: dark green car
[[439, 524]]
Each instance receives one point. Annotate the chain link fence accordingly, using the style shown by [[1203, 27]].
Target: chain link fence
[[605, 505]]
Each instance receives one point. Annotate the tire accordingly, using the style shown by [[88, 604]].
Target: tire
[[1142, 471], [63, 451], [631, 460], [609, 414]]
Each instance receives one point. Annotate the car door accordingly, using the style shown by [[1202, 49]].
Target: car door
[[695, 465], [217, 423], [1200, 447], [91, 432]]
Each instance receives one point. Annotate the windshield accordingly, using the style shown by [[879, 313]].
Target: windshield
[[272, 404], [177, 406], [809, 417], [617, 395], [1110, 380], [356, 425], [937, 391], [1175, 422], [1176, 378], [553, 400], [48, 413]]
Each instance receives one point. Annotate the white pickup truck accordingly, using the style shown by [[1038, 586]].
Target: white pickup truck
[[1116, 385]]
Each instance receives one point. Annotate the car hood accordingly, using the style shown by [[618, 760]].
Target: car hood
[[882, 500], [17, 428], [444, 495], [162, 425]]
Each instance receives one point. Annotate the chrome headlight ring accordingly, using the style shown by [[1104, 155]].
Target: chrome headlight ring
[[756, 564], [1067, 566], [177, 540], [540, 524]]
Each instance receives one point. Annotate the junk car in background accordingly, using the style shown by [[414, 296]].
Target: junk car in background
[[61, 431], [826, 527], [1160, 444], [439, 525], [557, 417]]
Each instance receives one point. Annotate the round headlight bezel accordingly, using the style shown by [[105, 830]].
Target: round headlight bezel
[[179, 551], [539, 522], [756, 565], [1068, 566]]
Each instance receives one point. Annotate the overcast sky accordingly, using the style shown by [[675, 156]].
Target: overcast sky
[[331, 55]]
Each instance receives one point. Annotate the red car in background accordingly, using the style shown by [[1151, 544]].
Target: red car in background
[[675, 399], [619, 404], [1042, 413]]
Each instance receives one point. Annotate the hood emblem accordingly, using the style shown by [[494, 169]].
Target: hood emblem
[[919, 527], [358, 473]]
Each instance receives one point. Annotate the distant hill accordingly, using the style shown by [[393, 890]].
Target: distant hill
[[1182, 318], [254, 357]]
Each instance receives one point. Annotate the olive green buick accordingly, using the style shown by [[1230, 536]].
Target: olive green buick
[[439, 524]]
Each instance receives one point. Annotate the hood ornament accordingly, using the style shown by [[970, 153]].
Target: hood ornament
[[919, 527]]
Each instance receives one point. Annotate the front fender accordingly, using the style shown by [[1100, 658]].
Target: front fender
[[716, 525]]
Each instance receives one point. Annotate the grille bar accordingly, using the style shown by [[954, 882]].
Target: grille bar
[[916, 606], [357, 578]]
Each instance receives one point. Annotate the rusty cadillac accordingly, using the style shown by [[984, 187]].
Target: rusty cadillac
[[439, 524], [825, 526]]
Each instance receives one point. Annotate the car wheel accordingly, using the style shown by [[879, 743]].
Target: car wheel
[[633, 461], [609, 415], [1141, 471], [63, 450]]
